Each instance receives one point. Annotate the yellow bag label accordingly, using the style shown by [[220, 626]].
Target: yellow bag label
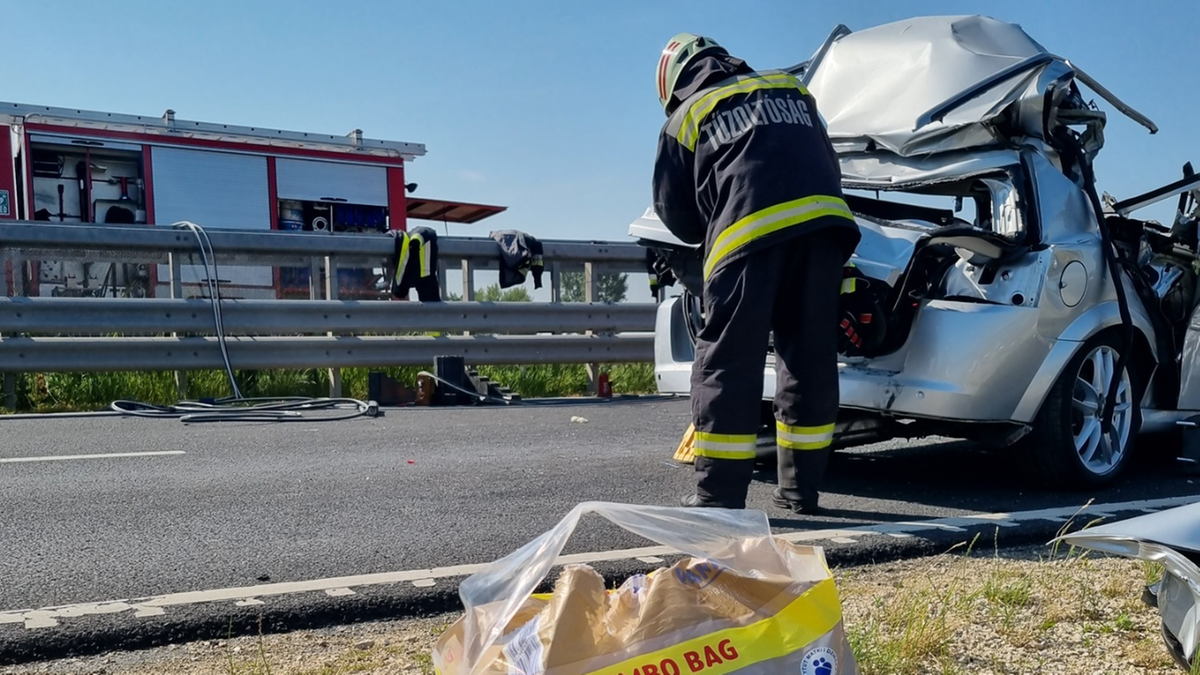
[[802, 622]]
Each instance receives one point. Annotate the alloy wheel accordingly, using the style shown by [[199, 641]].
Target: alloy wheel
[[1101, 452]]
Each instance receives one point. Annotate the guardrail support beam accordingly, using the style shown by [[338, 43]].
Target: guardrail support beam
[[555, 283], [331, 293], [591, 289], [175, 269], [10, 391], [18, 268]]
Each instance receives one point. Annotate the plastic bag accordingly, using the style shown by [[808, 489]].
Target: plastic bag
[[744, 602]]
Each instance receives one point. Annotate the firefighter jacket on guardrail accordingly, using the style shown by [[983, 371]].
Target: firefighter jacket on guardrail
[[717, 177], [520, 254], [415, 261]]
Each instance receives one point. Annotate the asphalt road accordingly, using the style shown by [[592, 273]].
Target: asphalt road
[[251, 502]]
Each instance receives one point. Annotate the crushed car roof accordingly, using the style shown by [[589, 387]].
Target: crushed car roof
[[933, 84]]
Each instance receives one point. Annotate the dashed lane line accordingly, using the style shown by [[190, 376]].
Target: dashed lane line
[[47, 617], [102, 455]]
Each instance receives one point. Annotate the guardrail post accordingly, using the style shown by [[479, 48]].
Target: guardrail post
[[591, 289], [555, 283], [10, 380], [18, 267], [468, 275], [442, 278], [331, 293], [176, 271], [10, 391], [314, 282], [4, 271]]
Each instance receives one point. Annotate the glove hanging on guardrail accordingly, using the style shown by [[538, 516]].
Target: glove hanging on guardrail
[[415, 264], [520, 254]]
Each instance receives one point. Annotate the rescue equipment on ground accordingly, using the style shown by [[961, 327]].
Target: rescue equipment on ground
[[740, 601], [451, 383], [520, 254]]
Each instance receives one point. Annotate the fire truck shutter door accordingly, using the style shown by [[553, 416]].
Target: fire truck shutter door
[[309, 180], [213, 190]]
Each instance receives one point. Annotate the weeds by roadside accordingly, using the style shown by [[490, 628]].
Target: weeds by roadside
[[968, 613], [70, 392]]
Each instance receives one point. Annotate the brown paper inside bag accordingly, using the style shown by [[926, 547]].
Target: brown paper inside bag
[[583, 621]]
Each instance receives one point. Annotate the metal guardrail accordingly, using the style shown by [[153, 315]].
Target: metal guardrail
[[117, 334], [320, 252], [129, 317], [23, 354]]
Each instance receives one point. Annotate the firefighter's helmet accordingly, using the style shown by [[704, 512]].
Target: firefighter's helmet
[[680, 50]]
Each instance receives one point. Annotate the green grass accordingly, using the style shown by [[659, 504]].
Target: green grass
[[62, 392]]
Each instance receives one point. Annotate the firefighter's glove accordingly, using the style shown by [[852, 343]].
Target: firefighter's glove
[[860, 316]]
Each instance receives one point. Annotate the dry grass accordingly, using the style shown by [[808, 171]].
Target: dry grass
[[954, 614]]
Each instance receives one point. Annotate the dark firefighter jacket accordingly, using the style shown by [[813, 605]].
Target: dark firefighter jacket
[[520, 253], [744, 162], [415, 264]]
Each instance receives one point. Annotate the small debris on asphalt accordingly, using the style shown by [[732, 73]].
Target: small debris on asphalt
[[579, 420], [263, 577]]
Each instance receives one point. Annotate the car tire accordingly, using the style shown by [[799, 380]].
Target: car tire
[[1066, 447]]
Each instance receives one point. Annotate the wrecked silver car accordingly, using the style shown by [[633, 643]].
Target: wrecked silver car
[[967, 155]]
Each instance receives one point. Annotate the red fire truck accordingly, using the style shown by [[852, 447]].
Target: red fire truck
[[75, 166]]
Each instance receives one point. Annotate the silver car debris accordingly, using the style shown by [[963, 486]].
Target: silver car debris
[[966, 151], [1170, 538]]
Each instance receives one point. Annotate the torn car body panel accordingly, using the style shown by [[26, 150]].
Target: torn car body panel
[[1172, 539], [938, 84]]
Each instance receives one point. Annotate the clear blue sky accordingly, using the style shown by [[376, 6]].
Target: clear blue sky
[[546, 107]]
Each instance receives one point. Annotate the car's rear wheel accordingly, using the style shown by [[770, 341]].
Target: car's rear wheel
[[1068, 443]]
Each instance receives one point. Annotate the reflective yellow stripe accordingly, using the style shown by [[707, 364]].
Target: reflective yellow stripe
[[770, 220], [402, 262], [725, 446], [422, 255], [803, 438], [689, 131], [848, 285], [802, 622]]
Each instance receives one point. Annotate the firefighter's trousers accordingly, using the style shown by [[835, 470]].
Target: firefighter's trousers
[[792, 288]]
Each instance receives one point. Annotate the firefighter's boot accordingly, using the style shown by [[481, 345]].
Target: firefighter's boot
[[800, 475]]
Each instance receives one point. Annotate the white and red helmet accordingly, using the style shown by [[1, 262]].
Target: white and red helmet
[[680, 50]]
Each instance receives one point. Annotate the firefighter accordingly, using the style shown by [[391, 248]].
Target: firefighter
[[744, 166]]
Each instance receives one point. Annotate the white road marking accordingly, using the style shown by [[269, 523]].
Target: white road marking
[[338, 592], [103, 455], [151, 606]]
